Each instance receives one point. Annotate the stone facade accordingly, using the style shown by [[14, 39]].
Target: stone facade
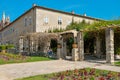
[[39, 19], [109, 45], [22, 25]]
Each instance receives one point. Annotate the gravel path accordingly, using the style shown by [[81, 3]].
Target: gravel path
[[13, 71]]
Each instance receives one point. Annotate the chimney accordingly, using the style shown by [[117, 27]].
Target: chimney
[[72, 12], [84, 14], [34, 5]]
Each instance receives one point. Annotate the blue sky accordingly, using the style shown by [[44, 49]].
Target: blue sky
[[103, 9]]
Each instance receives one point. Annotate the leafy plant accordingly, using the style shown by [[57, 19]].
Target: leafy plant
[[118, 51], [2, 47], [10, 46]]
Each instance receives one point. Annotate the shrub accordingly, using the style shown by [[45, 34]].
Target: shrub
[[2, 47], [118, 51], [10, 46]]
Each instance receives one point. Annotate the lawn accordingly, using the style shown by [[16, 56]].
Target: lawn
[[7, 58], [78, 74], [117, 63]]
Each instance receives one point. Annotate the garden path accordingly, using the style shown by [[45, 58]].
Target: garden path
[[19, 70]]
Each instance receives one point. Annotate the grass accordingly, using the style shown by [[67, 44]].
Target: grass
[[78, 74], [38, 77], [117, 63], [7, 58]]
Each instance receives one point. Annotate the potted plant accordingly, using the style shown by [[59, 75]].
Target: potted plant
[[74, 45], [59, 45], [117, 56]]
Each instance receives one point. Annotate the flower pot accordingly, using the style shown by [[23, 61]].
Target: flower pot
[[3, 51], [74, 45], [59, 46]]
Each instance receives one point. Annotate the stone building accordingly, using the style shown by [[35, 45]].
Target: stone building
[[4, 21], [39, 19]]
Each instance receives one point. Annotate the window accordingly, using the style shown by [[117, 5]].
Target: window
[[25, 21], [46, 20], [30, 20], [59, 20], [69, 22]]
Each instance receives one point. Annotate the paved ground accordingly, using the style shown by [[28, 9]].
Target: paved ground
[[13, 71]]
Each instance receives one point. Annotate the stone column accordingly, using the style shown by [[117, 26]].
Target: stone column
[[31, 45], [59, 51], [59, 46], [36, 47], [75, 55], [80, 38], [98, 47], [109, 45], [21, 44], [64, 50]]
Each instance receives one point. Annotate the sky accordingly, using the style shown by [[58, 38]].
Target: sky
[[102, 9]]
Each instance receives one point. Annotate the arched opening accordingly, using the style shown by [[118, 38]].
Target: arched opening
[[53, 45], [95, 46], [69, 42]]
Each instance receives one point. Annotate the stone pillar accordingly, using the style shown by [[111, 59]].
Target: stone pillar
[[21, 44], [80, 38], [59, 51], [31, 45], [59, 46], [109, 45], [98, 47], [75, 55], [64, 50], [36, 47]]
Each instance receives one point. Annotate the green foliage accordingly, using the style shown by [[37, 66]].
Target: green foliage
[[101, 24], [77, 26], [49, 31], [96, 26], [70, 41], [117, 63], [6, 58], [10, 46], [58, 30], [117, 51], [4, 47]]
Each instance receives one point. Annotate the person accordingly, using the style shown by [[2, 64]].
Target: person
[[50, 52]]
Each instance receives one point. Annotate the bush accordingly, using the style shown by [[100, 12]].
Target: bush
[[118, 51], [3, 47], [10, 46]]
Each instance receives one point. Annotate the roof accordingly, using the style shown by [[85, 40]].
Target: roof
[[68, 13]]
